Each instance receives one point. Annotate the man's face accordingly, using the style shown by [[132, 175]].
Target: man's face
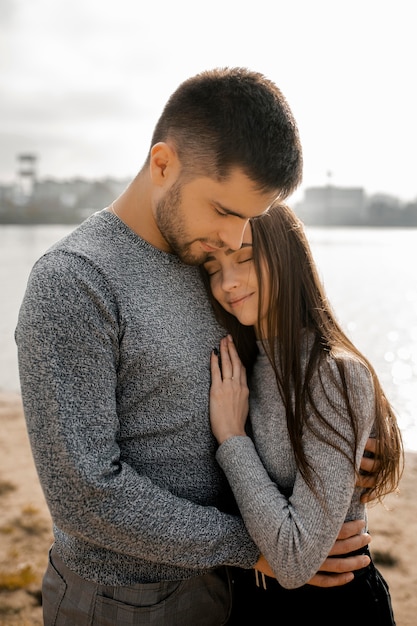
[[198, 217]]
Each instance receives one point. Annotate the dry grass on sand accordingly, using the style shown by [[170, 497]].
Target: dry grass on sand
[[25, 530]]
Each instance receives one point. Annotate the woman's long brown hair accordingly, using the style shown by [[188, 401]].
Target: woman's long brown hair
[[298, 303]]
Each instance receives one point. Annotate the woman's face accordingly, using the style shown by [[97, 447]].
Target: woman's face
[[234, 283]]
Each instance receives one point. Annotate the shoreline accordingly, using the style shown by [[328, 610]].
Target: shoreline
[[25, 529]]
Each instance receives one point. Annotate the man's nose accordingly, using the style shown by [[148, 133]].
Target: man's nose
[[232, 234]]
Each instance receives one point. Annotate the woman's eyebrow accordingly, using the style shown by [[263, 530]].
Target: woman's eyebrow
[[244, 245], [228, 251]]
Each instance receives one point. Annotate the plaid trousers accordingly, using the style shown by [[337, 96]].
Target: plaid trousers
[[69, 600]]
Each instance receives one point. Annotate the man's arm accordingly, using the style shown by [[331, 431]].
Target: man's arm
[[69, 350]]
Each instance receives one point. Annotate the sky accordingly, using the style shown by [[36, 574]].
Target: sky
[[82, 82]]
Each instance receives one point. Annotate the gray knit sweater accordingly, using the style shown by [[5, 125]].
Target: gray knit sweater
[[114, 340], [294, 528]]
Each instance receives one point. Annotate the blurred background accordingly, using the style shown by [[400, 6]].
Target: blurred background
[[82, 83]]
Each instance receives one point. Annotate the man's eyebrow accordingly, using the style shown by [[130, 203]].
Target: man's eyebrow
[[228, 251]]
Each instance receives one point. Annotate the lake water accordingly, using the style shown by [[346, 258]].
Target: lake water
[[370, 276]]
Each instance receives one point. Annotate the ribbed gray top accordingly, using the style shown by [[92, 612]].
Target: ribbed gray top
[[295, 527]]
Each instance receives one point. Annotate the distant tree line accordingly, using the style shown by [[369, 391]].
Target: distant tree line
[[70, 201]]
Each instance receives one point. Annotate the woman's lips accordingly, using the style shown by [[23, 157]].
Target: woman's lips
[[237, 301]]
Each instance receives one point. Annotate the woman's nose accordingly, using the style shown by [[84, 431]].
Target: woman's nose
[[230, 280]]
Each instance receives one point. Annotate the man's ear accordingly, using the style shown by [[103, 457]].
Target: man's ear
[[164, 164]]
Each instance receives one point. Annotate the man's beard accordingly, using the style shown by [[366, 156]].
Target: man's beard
[[171, 225]]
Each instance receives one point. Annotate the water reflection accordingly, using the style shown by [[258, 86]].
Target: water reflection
[[368, 274], [370, 279]]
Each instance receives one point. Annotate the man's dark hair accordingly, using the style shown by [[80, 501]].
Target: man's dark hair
[[233, 117]]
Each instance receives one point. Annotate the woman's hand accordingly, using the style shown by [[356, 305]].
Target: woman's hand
[[229, 393]]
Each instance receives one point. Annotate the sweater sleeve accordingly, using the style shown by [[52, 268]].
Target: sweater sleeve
[[68, 350], [296, 532]]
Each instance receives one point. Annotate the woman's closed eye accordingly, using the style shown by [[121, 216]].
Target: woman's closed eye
[[211, 268], [221, 212]]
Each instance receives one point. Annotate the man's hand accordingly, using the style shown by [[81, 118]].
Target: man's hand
[[338, 571], [335, 571], [263, 566], [368, 469]]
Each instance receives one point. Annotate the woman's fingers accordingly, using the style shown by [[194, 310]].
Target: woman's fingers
[[216, 375], [227, 367], [232, 367], [228, 393]]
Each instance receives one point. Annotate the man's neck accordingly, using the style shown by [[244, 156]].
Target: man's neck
[[134, 208]]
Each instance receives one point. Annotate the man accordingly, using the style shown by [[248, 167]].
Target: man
[[114, 337]]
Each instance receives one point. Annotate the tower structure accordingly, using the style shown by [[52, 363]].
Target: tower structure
[[26, 173]]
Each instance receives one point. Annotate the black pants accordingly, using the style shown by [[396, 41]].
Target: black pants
[[363, 602]]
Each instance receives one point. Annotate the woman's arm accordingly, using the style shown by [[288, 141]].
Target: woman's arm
[[337, 570], [297, 533]]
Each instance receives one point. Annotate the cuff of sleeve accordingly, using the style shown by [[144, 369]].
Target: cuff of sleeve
[[239, 443]]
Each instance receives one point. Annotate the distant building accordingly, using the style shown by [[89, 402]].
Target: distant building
[[30, 200], [33, 201], [331, 205], [385, 210]]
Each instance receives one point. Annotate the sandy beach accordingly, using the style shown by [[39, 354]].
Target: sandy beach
[[25, 530]]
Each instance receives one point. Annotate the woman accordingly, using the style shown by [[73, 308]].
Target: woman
[[314, 401]]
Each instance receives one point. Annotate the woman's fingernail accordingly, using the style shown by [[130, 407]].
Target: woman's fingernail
[[216, 352]]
